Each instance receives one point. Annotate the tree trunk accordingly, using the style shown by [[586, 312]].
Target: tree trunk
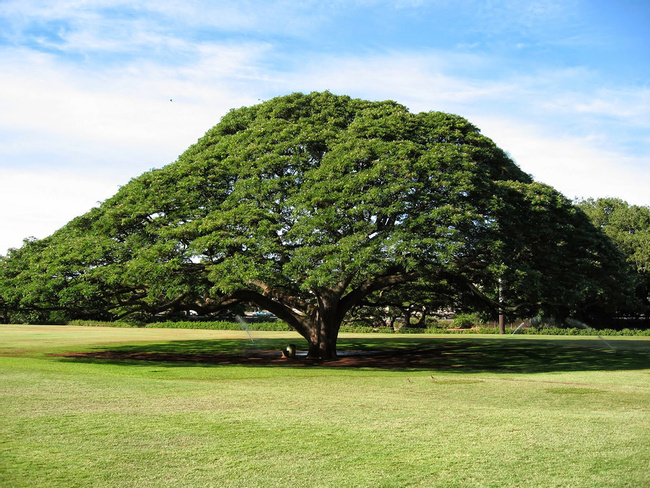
[[502, 319], [324, 328], [422, 322], [322, 341], [318, 325], [392, 320]]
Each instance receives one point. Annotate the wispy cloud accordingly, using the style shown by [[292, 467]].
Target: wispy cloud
[[627, 105], [127, 27], [138, 104]]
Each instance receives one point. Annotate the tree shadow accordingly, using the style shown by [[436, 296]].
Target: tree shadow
[[450, 354]]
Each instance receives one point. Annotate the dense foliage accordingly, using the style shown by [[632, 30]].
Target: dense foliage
[[628, 226], [311, 206]]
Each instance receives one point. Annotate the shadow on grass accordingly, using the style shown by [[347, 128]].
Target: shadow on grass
[[407, 353]]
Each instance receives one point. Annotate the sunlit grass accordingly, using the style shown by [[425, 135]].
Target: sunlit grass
[[491, 412]]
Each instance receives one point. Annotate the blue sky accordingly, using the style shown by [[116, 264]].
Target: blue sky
[[85, 86]]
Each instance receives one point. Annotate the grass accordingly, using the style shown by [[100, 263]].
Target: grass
[[486, 411]]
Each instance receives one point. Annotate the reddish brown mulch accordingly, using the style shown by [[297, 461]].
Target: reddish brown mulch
[[383, 359]]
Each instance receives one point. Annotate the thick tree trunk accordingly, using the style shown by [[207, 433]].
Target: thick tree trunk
[[318, 325], [322, 341], [324, 328]]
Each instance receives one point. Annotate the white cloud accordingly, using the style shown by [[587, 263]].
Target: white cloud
[[125, 111], [574, 166], [630, 106], [37, 204]]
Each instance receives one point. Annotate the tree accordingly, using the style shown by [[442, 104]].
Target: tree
[[311, 205], [558, 259], [628, 226]]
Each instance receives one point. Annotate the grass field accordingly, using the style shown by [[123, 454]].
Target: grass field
[[483, 411]]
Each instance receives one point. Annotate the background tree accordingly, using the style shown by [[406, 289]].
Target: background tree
[[308, 206], [407, 305], [628, 226], [558, 253]]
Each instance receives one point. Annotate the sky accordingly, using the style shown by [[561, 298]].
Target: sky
[[96, 92]]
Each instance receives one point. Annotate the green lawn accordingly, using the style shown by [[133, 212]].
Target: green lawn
[[484, 411]]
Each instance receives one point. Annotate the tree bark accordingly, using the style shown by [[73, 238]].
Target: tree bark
[[322, 340], [324, 326]]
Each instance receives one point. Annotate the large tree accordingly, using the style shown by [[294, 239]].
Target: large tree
[[628, 226], [309, 206]]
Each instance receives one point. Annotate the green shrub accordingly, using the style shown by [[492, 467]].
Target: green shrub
[[432, 322], [442, 327], [213, 325], [412, 330], [100, 323], [221, 325], [465, 321], [584, 332], [360, 328], [484, 329]]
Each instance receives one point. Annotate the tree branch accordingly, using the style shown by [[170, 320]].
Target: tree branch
[[282, 297], [282, 311], [355, 296]]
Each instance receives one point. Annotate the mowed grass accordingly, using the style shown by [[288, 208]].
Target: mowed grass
[[484, 411]]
